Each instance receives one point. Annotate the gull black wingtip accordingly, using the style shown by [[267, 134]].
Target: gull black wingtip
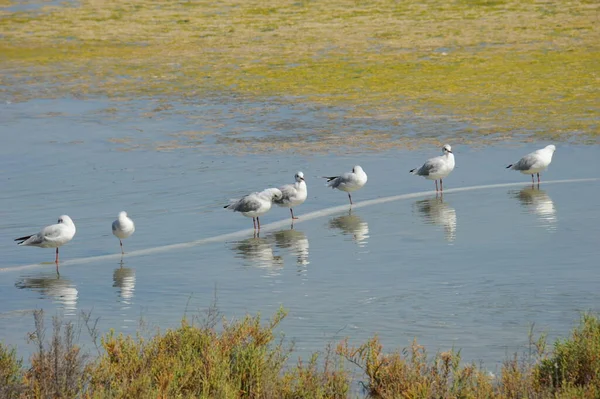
[[329, 178], [509, 166], [23, 238], [412, 170]]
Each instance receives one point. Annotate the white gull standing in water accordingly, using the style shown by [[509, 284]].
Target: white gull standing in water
[[348, 182], [293, 194], [122, 228], [437, 168], [255, 204], [52, 236], [534, 162]]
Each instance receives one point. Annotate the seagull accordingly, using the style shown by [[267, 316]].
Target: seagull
[[438, 167], [534, 162], [348, 182], [122, 228], [52, 236], [293, 194], [255, 204]]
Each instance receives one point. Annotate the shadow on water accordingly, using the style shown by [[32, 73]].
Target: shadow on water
[[52, 286], [437, 212], [124, 281], [538, 202], [352, 225]]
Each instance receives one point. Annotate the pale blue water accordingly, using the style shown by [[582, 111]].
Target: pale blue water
[[472, 270]]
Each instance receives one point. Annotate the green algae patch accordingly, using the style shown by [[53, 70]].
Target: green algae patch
[[505, 67]]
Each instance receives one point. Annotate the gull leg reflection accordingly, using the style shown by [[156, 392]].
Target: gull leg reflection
[[52, 286], [437, 212], [537, 201], [352, 225]]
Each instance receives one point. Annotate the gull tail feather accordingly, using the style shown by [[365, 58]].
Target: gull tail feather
[[23, 239]]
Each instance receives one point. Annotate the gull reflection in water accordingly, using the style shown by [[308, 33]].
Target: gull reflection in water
[[124, 281], [437, 212], [53, 286], [352, 225], [296, 243], [259, 252], [538, 202]]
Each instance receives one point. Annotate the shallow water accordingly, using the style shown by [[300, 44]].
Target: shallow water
[[472, 269]]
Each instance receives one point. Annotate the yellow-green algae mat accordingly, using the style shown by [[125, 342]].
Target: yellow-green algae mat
[[506, 67]]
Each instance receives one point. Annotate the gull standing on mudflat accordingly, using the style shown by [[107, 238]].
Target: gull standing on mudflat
[[293, 194], [122, 228], [348, 182], [438, 167], [534, 162], [52, 236], [255, 204]]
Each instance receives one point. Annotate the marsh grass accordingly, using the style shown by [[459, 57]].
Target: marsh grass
[[506, 66], [213, 358]]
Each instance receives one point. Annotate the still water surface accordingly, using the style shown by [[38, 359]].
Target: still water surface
[[472, 269]]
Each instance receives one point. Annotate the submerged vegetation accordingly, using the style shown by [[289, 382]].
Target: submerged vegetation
[[506, 67], [245, 359]]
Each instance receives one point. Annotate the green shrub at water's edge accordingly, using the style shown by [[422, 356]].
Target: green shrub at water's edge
[[575, 362], [10, 373], [243, 359]]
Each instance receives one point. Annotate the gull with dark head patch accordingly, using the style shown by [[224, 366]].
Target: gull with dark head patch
[[52, 236], [293, 194], [437, 168], [348, 182]]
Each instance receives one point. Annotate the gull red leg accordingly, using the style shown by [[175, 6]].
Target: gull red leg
[[292, 212], [436, 186], [56, 261], [538, 175], [441, 185], [349, 196], [532, 179], [254, 223], [258, 222]]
